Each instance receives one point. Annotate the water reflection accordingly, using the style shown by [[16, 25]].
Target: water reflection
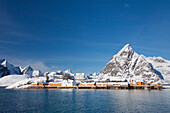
[[84, 100]]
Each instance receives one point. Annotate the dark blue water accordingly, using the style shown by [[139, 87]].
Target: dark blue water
[[98, 101]]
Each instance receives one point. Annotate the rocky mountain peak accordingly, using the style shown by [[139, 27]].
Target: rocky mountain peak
[[4, 62], [27, 70], [28, 67], [10, 68], [126, 51], [127, 63]]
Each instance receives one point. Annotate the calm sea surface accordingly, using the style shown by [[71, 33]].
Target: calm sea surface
[[95, 101]]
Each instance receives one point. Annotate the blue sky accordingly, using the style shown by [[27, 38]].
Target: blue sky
[[81, 35]]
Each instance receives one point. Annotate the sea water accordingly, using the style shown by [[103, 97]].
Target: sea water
[[81, 101]]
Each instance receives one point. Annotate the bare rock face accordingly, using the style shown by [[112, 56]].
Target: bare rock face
[[128, 64]]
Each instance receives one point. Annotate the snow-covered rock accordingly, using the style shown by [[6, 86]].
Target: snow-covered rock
[[68, 72], [57, 74], [128, 64], [28, 70], [37, 73], [93, 76], [52, 74], [11, 69], [46, 73], [161, 67]]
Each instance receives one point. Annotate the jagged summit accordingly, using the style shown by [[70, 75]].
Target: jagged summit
[[4, 62], [28, 67], [27, 70], [30, 72], [125, 48], [126, 51], [7, 68]]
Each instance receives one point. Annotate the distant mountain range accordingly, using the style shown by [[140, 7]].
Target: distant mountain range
[[126, 64], [9, 69]]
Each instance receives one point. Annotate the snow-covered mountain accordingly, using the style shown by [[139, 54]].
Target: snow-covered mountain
[[127, 64], [6, 68]]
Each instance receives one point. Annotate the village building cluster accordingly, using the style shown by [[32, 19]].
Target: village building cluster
[[66, 79]]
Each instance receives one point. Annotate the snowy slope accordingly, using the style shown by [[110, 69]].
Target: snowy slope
[[26, 83], [161, 66], [19, 81], [11, 79], [128, 64]]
